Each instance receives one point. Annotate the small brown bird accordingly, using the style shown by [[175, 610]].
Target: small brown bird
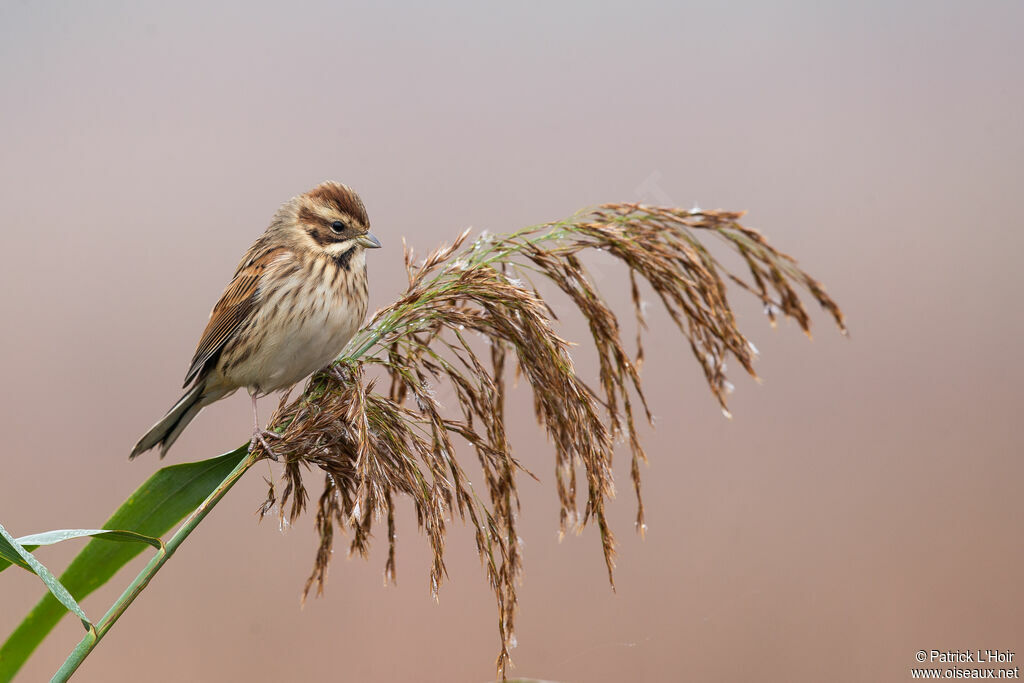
[[297, 297]]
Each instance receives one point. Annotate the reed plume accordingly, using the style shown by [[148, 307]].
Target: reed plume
[[370, 423]]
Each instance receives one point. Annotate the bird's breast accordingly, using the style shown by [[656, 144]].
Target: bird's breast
[[303, 321]]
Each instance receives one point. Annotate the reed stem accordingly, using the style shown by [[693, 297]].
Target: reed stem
[[92, 639]]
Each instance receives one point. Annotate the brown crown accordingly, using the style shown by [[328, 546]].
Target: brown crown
[[341, 197]]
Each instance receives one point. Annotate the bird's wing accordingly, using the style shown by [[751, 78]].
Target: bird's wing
[[236, 304]]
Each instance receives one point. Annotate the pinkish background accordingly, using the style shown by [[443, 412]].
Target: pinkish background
[[863, 504]]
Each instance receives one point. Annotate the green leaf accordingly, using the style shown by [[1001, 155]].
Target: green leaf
[[50, 537], [155, 507], [57, 589], [9, 555]]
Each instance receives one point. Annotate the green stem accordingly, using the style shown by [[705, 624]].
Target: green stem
[[91, 639]]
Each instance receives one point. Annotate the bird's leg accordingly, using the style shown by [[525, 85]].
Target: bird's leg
[[259, 435]]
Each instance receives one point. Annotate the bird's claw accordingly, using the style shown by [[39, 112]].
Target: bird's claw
[[260, 437]]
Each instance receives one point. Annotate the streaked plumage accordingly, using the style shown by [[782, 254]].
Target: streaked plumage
[[297, 297]]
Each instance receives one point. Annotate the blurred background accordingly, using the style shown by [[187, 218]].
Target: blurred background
[[863, 504]]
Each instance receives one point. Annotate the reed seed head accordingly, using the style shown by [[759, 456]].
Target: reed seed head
[[374, 443]]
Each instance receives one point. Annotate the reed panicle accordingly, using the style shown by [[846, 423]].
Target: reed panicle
[[372, 426]]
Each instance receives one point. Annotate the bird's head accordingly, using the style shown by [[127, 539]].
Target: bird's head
[[331, 218]]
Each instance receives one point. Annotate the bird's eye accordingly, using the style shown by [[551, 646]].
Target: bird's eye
[[337, 226]]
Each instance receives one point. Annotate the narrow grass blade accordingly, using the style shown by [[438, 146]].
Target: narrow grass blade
[[33, 541], [152, 510], [118, 535], [57, 589], [9, 555]]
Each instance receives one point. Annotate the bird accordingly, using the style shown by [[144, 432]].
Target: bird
[[297, 297]]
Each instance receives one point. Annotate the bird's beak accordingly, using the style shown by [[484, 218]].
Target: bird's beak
[[368, 241]]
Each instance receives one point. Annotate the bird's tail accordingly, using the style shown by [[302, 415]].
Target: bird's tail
[[166, 431]]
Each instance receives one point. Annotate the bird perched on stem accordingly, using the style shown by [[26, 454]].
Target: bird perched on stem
[[297, 297]]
